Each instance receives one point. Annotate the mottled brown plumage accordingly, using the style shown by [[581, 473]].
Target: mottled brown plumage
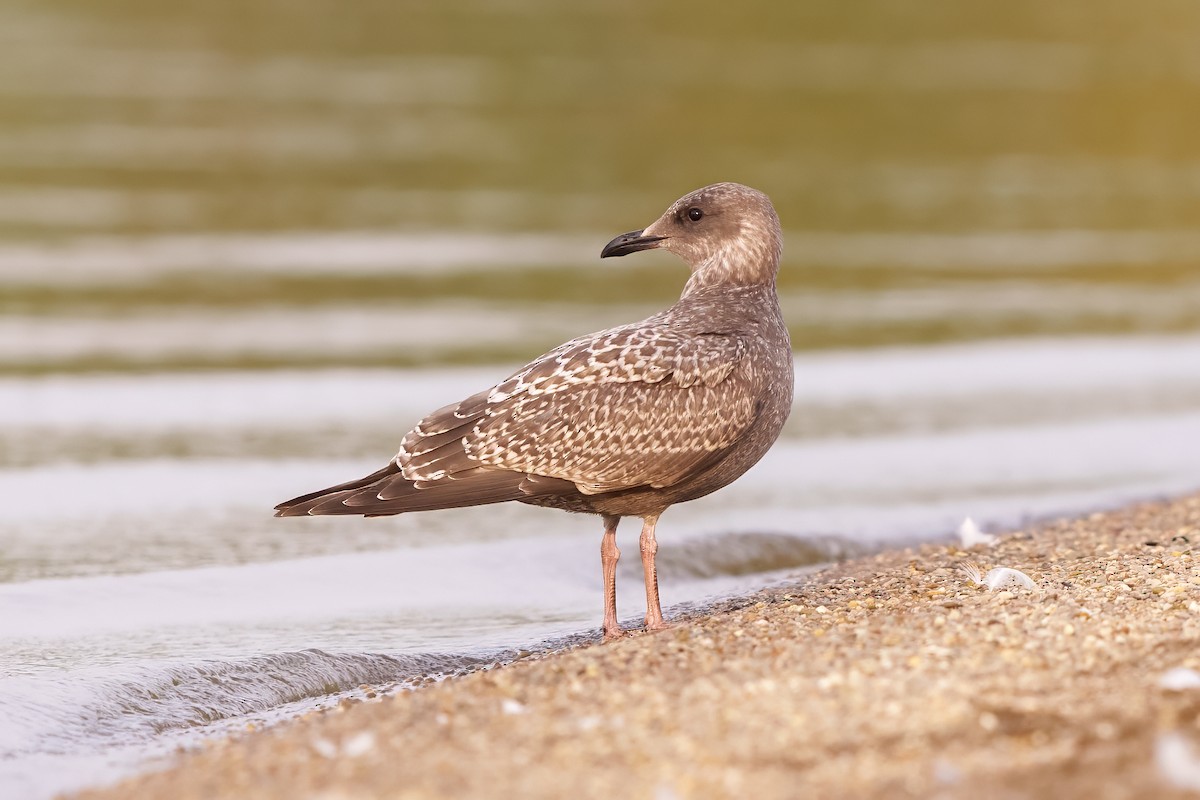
[[627, 421]]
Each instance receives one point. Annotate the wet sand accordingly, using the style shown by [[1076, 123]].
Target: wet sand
[[884, 677]]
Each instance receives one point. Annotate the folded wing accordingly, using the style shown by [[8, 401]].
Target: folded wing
[[629, 407]]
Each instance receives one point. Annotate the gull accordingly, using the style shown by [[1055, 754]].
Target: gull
[[625, 422]]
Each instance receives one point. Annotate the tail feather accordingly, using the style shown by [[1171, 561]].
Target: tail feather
[[289, 508], [474, 487]]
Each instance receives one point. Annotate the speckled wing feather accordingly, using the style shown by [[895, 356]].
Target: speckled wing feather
[[670, 408], [634, 406]]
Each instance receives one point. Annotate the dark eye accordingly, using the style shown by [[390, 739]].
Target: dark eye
[[694, 214]]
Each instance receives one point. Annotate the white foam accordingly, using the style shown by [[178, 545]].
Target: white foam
[[1147, 366], [283, 332], [115, 259]]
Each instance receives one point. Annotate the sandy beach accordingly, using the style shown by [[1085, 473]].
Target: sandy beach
[[889, 676]]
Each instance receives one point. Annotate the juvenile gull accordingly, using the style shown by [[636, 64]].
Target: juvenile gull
[[627, 421]]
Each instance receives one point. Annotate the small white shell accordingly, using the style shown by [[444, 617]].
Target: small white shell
[[996, 578], [324, 748], [359, 744], [970, 535], [1177, 761], [1179, 679], [1003, 577]]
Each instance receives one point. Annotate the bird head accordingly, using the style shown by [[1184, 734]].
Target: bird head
[[725, 232]]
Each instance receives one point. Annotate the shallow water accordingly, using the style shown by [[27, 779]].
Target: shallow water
[[151, 600], [944, 171]]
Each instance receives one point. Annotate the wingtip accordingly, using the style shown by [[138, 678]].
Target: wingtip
[[292, 510]]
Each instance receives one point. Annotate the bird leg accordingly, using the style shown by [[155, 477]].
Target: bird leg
[[609, 555], [649, 546]]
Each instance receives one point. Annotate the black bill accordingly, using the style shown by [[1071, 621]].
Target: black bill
[[630, 242]]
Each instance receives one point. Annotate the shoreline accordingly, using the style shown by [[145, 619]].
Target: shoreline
[[891, 675]]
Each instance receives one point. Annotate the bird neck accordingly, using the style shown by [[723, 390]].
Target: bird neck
[[735, 266]]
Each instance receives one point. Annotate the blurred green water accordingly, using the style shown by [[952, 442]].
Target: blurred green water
[[133, 118]]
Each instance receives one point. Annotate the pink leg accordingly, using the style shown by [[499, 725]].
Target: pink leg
[[609, 555], [654, 617]]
